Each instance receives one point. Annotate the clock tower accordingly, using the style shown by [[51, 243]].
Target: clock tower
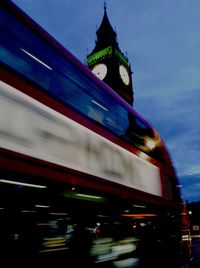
[[108, 63]]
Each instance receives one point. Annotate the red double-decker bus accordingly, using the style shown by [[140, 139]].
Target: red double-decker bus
[[85, 180]]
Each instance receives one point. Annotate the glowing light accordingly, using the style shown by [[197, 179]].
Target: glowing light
[[185, 238], [139, 206], [89, 196], [138, 216], [150, 144], [42, 206], [28, 211], [130, 262], [36, 59], [23, 184], [100, 105]]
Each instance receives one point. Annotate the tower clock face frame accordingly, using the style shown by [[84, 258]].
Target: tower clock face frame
[[124, 75], [100, 70]]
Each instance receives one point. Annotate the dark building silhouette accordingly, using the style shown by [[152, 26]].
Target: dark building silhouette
[[108, 62]]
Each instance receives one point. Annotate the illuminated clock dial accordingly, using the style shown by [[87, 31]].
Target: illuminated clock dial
[[100, 70], [124, 75]]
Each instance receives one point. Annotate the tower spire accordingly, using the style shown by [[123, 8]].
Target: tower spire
[[105, 5], [106, 36], [108, 62]]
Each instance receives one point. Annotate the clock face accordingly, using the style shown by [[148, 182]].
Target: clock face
[[124, 75], [100, 70]]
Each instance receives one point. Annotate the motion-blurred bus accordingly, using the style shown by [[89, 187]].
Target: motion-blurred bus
[[85, 180]]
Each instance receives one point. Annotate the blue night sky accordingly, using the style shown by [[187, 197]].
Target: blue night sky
[[162, 42]]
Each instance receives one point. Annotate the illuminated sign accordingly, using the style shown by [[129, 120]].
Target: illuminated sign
[[36, 130], [121, 56], [104, 53]]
